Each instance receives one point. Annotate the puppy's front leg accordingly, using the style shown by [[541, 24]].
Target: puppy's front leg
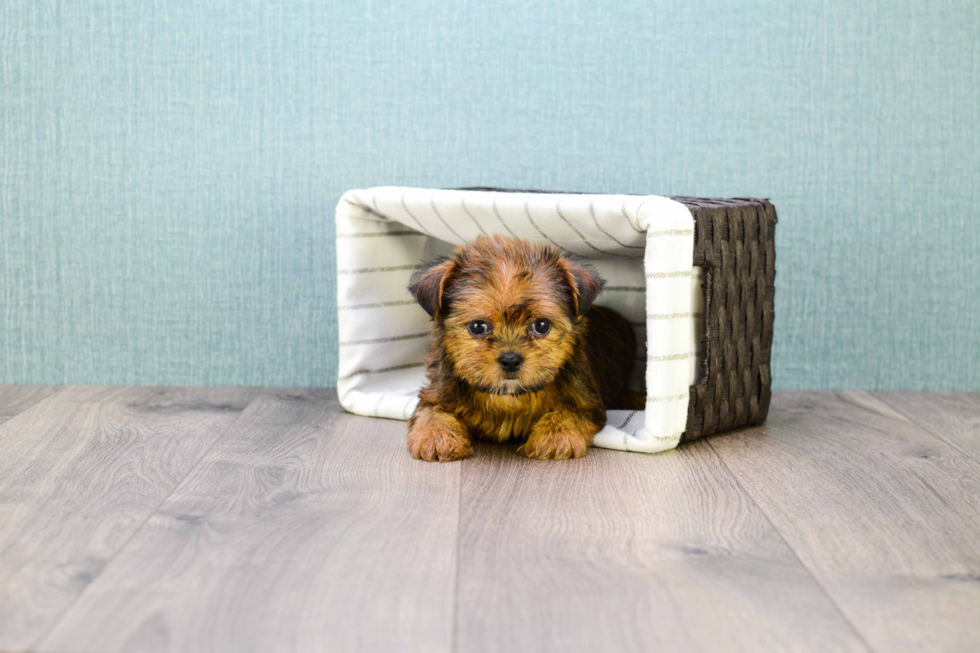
[[434, 434], [559, 435]]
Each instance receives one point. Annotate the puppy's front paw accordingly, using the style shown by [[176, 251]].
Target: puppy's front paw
[[559, 444], [439, 440]]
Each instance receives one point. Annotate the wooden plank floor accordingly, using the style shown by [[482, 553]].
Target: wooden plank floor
[[234, 519]]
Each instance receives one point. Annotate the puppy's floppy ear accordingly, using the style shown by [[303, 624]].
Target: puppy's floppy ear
[[429, 283], [585, 283]]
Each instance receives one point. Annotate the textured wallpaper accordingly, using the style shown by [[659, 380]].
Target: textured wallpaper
[[169, 169]]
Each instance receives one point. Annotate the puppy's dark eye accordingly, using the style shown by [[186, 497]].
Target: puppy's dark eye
[[540, 327], [478, 328]]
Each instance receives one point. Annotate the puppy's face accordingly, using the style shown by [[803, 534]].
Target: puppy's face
[[509, 311]]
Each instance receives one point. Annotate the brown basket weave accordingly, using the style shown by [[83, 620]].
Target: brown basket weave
[[734, 244]]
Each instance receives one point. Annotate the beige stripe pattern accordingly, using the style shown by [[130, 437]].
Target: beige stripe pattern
[[641, 246], [579, 233], [673, 316], [380, 371], [654, 399], [355, 307], [668, 357], [391, 268], [670, 232], [377, 341], [382, 234]]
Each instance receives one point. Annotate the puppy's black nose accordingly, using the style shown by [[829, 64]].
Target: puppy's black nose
[[510, 361]]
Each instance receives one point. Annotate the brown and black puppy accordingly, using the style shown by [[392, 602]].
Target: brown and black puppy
[[518, 351]]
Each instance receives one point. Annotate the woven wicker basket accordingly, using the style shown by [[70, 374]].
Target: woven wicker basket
[[734, 244], [727, 292]]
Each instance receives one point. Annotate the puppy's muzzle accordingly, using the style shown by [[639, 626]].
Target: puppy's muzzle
[[510, 362]]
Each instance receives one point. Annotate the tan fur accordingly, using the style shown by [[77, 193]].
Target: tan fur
[[557, 399]]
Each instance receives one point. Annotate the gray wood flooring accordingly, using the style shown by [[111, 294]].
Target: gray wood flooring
[[236, 519]]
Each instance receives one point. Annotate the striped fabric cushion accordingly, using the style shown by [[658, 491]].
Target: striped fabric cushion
[[641, 245]]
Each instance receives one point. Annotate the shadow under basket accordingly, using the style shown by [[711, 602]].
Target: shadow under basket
[[694, 276]]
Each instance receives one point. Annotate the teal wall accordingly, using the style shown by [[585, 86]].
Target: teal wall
[[169, 169]]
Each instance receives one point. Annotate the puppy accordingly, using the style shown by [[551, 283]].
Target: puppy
[[518, 351]]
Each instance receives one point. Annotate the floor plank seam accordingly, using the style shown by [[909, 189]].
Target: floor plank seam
[[857, 633], [58, 389], [926, 429], [454, 639], [39, 643]]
